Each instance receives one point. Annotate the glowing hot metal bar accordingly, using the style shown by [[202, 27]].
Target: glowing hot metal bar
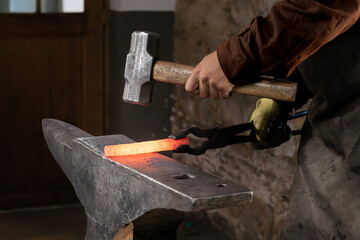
[[166, 144]]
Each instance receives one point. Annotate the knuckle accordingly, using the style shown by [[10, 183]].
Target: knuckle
[[196, 71], [223, 88], [213, 84], [203, 78]]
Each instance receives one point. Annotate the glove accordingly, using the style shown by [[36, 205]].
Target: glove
[[270, 127]]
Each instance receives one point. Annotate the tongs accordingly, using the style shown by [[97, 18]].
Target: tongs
[[221, 137]]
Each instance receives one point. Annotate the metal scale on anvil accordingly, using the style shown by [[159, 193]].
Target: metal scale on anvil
[[119, 188]]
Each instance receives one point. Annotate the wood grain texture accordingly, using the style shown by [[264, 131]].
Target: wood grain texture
[[51, 66], [126, 233], [31, 25], [169, 72], [275, 89], [178, 74]]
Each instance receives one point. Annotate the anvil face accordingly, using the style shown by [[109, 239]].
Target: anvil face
[[117, 191]]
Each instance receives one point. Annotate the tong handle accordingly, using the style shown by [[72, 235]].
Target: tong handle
[[298, 114], [208, 133], [221, 137]]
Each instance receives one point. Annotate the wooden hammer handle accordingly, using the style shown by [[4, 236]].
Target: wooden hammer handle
[[178, 74]]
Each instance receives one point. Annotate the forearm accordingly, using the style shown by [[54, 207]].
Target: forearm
[[280, 41]]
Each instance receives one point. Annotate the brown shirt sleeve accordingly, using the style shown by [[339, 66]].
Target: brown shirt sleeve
[[290, 33]]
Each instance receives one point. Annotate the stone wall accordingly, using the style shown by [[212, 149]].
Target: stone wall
[[200, 26]]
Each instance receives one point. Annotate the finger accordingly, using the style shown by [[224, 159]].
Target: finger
[[226, 91], [192, 84], [204, 87], [224, 94], [214, 92], [196, 92]]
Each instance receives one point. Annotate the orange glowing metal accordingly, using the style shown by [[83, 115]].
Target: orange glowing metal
[[166, 144]]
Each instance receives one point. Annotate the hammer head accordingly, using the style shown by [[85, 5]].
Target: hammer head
[[143, 52]]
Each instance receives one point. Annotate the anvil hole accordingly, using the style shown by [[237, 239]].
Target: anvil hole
[[182, 176], [221, 185]]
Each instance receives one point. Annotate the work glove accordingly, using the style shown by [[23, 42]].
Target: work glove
[[270, 128]]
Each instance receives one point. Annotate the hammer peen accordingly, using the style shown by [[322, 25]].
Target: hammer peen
[[142, 69]]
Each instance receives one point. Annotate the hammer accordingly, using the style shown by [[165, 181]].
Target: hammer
[[142, 68]]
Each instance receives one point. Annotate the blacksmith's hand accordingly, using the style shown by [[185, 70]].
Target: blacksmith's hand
[[208, 79], [269, 127]]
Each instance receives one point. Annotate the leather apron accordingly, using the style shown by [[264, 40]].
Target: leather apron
[[325, 200]]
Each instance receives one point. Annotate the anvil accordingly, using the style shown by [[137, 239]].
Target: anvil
[[145, 190]]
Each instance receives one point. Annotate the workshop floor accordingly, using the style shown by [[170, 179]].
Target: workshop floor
[[59, 222]]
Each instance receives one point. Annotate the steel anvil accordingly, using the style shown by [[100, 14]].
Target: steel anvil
[[144, 190]]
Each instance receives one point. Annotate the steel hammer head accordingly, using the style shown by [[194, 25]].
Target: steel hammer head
[[143, 52]]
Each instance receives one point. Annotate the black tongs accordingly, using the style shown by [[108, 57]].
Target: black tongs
[[221, 137]]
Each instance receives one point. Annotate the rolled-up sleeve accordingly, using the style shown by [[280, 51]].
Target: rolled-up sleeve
[[290, 33]]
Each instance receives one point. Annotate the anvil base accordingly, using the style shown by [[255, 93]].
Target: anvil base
[[146, 190]]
